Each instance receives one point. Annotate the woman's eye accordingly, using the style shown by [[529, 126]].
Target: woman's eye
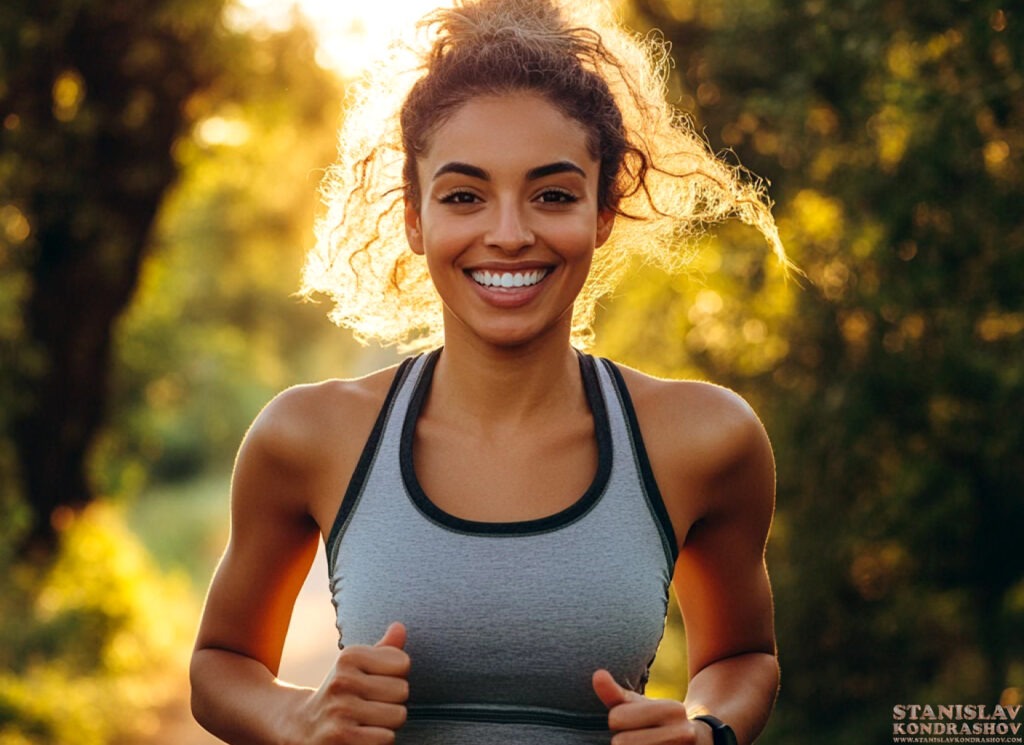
[[459, 197], [557, 196]]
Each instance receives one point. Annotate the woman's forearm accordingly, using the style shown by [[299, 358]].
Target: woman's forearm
[[240, 701], [739, 690]]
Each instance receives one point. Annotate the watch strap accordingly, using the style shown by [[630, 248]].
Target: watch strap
[[721, 732]]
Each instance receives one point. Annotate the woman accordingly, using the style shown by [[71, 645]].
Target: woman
[[480, 597]]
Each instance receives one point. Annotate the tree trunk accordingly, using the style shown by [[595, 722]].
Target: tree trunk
[[95, 98]]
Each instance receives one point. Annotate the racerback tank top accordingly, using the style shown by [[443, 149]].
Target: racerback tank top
[[506, 621]]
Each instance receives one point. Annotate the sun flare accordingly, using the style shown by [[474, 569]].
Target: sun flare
[[350, 34]]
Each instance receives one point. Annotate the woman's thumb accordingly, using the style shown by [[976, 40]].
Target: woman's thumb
[[610, 692], [393, 637]]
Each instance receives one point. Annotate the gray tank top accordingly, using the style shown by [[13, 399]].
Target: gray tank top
[[506, 621]]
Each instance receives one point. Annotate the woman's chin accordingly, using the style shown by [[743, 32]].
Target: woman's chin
[[510, 333]]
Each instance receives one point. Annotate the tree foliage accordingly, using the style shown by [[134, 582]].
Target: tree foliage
[[94, 644], [147, 142], [215, 329], [204, 335]]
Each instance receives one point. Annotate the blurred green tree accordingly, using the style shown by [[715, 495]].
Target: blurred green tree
[[93, 95], [893, 383], [149, 146], [204, 332], [214, 330]]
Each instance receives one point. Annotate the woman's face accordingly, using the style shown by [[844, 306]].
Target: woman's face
[[508, 219]]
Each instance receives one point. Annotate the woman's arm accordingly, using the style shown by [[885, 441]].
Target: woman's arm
[[284, 464], [714, 466], [721, 580]]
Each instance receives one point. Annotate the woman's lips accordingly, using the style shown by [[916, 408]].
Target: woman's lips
[[510, 288]]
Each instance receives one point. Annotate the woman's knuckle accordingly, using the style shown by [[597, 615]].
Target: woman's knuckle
[[343, 681]]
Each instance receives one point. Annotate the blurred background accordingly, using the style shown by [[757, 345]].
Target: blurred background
[[159, 165]]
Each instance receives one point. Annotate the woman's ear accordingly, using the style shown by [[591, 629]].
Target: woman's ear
[[413, 228], [605, 223]]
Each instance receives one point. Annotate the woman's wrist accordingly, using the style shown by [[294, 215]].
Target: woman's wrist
[[720, 732], [705, 735], [293, 715]]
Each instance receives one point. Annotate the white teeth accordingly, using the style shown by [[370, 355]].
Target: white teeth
[[508, 279]]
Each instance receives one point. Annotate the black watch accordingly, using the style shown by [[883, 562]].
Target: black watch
[[722, 732]]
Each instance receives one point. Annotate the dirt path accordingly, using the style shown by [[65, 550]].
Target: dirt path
[[309, 652]]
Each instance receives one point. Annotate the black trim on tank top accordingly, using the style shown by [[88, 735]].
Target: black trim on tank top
[[366, 458], [650, 484], [602, 434], [499, 714]]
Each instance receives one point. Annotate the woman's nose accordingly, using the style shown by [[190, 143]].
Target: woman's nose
[[510, 232]]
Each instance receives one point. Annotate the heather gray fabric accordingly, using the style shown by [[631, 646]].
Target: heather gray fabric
[[506, 621]]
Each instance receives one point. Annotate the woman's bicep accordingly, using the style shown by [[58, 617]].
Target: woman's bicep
[[721, 579], [272, 544]]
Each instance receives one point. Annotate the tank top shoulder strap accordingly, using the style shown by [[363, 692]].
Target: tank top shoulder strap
[[391, 414], [626, 429]]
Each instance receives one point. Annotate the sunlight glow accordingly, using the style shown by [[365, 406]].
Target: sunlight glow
[[350, 34]]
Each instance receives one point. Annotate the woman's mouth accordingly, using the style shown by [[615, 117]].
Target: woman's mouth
[[508, 280]]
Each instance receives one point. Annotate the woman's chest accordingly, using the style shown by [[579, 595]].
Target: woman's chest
[[520, 477], [507, 620]]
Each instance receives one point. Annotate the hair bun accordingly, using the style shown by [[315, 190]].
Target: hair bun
[[496, 18]]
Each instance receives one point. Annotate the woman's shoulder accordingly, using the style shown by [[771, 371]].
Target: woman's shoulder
[[304, 422], [708, 426]]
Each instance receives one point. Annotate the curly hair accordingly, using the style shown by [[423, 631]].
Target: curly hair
[[655, 170]]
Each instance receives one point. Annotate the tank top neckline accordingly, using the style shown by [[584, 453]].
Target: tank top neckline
[[548, 523]]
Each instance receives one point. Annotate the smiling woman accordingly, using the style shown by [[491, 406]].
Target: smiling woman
[[504, 514], [670, 185]]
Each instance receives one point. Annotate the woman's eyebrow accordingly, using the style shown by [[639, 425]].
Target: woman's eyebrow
[[464, 168], [562, 166]]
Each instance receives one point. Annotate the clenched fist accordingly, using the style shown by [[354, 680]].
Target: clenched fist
[[362, 700], [638, 720]]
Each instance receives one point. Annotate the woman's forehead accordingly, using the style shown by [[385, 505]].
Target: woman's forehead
[[512, 128]]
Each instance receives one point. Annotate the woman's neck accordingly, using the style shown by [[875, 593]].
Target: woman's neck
[[497, 387]]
